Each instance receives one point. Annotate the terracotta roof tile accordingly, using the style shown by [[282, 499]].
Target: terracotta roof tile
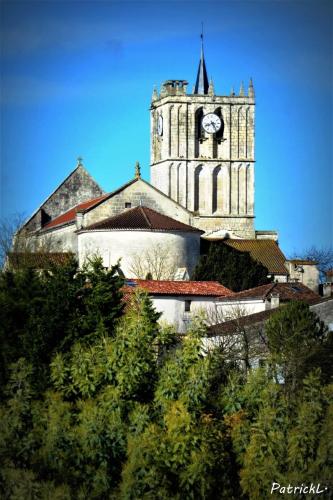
[[156, 287], [38, 260], [70, 215], [141, 218], [265, 251], [287, 291]]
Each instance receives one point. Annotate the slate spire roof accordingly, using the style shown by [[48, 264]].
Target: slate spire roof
[[202, 83], [141, 218]]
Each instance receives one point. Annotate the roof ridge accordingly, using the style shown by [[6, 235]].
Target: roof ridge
[[273, 285], [145, 215]]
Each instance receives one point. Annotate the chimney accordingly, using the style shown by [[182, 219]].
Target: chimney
[[275, 300], [79, 219], [327, 289]]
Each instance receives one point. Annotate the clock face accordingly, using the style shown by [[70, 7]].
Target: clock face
[[160, 125], [211, 123]]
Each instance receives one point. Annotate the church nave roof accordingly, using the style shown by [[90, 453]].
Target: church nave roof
[[142, 218]]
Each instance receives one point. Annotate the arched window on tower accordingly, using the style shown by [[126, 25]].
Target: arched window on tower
[[218, 137], [199, 133], [197, 194], [217, 189]]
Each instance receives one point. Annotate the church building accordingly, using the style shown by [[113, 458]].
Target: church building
[[202, 186]]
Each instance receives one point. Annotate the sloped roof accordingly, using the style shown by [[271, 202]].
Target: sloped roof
[[287, 291], [199, 288], [141, 218], [201, 84], [303, 262], [265, 251], [70, 215], [38, 260], [234, 325]]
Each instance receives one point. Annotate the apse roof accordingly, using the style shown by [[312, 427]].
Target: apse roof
[[141, 218]]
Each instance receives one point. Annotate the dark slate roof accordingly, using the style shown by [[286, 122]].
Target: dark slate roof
[[265, 251], [201, 84], [235, 325], [38, 260], [287, 291], [142, 218]]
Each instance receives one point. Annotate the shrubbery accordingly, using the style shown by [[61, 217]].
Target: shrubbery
[[105, 404]]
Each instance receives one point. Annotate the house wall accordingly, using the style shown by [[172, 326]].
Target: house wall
[[325, 312], [308, 274], [232, 310], [173, 309], [214, 312]]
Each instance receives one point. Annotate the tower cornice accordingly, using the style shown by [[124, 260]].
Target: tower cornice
[[193, 99]]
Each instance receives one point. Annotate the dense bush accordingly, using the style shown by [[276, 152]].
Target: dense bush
[[233, 269], [123, 411]]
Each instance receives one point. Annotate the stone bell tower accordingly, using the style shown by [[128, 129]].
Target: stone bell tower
[[202, 152]]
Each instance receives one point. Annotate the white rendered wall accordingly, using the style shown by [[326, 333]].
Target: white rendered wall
[[308, 274], [232, 309], [183, 248], [63, 239], [173, 309]]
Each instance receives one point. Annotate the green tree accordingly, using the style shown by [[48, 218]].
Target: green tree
[[233, 269], [127, 413], [298, 342], [42, 313]]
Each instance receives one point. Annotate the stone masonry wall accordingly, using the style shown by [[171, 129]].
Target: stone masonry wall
[[77, 188], [138, 193]]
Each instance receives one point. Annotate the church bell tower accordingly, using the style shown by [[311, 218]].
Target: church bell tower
[[202, 152]]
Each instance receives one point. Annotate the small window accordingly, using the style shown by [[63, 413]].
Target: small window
[[188, 305], [128, 205]]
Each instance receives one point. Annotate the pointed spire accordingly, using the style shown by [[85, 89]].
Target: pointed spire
[[79, 162], [251, 89], [137, 170], [155, 94], [201, 84], [241, 90], [211, 87], [232, 92]]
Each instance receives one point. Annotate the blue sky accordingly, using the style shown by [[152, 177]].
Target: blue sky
[[77, 78]]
